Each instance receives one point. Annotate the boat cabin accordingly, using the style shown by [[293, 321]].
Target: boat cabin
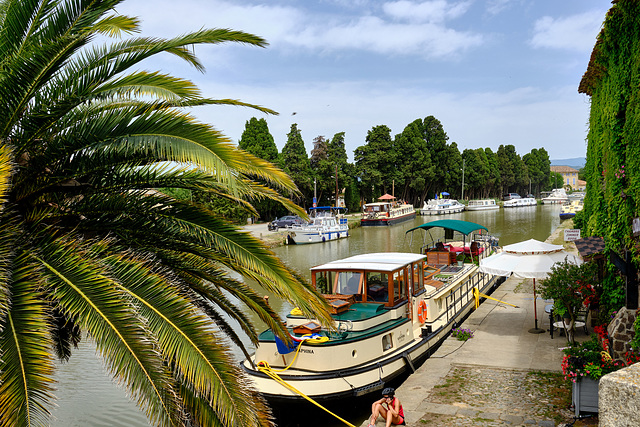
[[382, 278]]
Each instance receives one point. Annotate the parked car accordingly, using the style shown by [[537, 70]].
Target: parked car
[[510, 196], [285, 221]]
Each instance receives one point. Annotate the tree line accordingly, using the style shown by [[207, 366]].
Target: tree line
[[414, 165]]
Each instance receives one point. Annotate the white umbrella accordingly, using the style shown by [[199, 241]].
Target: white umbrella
[[530, 259]]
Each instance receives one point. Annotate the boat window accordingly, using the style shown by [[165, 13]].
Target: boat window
[[377, 286], [321, 280], [348, 283], [417, 276], [387, 343], [399, 290]]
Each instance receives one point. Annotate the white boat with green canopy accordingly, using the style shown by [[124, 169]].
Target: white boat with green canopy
[[471, 242]]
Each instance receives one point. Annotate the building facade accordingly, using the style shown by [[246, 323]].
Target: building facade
[[569, 176]]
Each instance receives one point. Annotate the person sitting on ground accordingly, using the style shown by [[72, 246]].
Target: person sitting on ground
[[389, 408]]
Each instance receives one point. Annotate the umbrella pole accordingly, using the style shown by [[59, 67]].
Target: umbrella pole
[[535, 330]]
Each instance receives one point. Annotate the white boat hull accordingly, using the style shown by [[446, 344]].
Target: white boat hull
[[518, 203], [441, 207], [301, 237], [482, 208], [443, 211]]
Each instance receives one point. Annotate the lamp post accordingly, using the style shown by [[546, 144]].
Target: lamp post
[[462, 197]]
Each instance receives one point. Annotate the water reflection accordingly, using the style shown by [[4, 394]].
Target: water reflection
[[86, 396]]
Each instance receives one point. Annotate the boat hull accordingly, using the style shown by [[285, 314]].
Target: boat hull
[[519, 203], [482, 208], [307, 237], [443, 211], [554, 201], [385, 221]]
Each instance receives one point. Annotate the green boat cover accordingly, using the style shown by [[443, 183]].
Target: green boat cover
[[464, 227]]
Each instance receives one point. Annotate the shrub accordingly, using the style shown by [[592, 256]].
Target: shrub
[[462, 334]]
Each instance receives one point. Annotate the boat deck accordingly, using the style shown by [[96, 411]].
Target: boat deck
[[345, 336]]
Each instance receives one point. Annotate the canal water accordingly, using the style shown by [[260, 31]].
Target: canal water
[[88, 397]]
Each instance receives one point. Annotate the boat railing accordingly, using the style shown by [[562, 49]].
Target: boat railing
[[461, 296]]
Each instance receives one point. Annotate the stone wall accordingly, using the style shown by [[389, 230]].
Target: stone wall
[[621, 333], [619, 398]]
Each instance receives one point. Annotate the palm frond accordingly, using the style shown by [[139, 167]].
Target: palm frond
[[186, 340], [6, 168], [26, 367], [117, 25], [82, 292], [157, 85]]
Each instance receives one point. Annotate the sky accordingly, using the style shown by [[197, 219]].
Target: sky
[[493, 72]]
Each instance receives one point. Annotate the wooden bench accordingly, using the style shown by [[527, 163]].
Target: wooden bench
[[441, 258]]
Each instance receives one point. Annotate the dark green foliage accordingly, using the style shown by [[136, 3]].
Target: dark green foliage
[[295, 163], [612, 170], [374, 161], [571, 287], [414, 167], [257, 140]]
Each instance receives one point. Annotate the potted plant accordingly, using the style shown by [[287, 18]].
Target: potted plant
[[585, 364], [571, 287]]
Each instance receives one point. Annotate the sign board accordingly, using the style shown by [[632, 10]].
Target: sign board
[[315, 202], [636, 227], [571, 234]]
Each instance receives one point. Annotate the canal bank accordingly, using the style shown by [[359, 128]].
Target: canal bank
[[501, 375]]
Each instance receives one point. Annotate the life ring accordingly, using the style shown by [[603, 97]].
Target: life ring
[[422, 311]]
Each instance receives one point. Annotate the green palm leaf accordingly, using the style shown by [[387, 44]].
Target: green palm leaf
[[26, 366]]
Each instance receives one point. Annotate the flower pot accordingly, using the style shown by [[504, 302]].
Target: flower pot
[[585, 395]]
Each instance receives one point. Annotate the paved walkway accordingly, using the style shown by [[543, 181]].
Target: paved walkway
[[501, 343]]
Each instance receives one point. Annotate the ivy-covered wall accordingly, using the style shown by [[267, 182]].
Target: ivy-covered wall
[[612, 80]]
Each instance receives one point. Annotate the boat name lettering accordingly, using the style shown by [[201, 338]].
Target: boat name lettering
[[304, 350], [401, 337]]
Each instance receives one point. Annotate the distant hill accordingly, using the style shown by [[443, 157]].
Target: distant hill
[[576, 162]]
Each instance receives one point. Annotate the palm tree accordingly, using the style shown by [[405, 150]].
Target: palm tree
[[89, 246]]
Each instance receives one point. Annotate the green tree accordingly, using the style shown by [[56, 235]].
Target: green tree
[[323, 172], [295, 162], [374, 161], [436, 144], [508, 163], [337, 156], [476, 172], [89, 246], [538, 164], [257, 140], [493, 181], [415, 169]]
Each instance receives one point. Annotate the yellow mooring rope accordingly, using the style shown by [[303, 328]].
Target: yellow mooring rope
[[477, 294], [264, 367]]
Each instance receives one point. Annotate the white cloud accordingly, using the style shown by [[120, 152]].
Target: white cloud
[[437, 11], [577, 32], [373, 34], [403, 28], [494, 7]]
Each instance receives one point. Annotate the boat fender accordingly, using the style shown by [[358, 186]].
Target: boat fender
[[324, 239], [422, 311]]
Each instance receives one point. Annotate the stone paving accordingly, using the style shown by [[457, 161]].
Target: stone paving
[[489, 397]]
